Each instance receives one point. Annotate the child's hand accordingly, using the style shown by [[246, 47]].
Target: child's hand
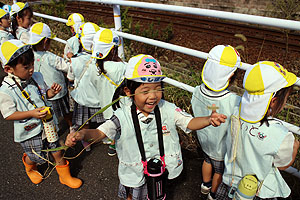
[[36, 113], [215, 118], [54, 90], [73, 137]]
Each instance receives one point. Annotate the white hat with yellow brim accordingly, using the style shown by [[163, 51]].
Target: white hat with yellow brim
[[222, 62], [11, 49], [261, 81], [144, 68], [104, 40], [75, 20], [86, 34], [39, 31], [3, 13], [17, 7]]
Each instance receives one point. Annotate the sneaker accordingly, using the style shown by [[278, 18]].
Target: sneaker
[[210, 197], [112, 150], [106, 141], [205, 189], [86, 145]]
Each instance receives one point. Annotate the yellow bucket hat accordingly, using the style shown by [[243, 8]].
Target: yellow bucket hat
[[17, 7], [11, 49], [38, 31], [261, 81], [104, 40], [144, 68], [75, 20], [222, 61], [86, 34]]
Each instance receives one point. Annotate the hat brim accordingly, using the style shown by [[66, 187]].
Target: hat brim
[[36, 39], [103, 50], [291, 79], [70, 23], [87, 42], [253, 108], [148, 79]]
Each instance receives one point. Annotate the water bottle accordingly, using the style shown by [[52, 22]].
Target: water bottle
[[156, 180], [49, 126], [247, 188]]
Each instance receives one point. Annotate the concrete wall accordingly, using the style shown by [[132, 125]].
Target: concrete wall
[[256, 7]]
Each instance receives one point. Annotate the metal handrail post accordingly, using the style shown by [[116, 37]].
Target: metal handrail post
[[118, 27]]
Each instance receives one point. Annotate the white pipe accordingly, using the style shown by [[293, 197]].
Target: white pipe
[[118, 27], [267, 21], [60, 40], [165, 45], [50, 17]]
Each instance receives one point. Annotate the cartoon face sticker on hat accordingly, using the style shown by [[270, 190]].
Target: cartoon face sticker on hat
[[144, 68], [148, 66]]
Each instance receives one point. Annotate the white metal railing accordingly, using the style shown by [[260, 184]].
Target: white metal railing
[[267, 21], [249, 18]]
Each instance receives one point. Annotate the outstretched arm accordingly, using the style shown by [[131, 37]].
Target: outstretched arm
[[215, 119], [86, 135]]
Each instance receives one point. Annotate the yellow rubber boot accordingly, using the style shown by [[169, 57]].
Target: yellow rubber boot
[[66, 178], [31, 171]]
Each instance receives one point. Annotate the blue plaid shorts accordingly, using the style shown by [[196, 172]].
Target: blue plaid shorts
[[37, 144]]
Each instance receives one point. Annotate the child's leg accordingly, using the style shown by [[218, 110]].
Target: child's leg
[[217, 180], [218, 168], [68, 118], [63, 171], [206, 171], [30, 159], [58, 157], [31, 170]]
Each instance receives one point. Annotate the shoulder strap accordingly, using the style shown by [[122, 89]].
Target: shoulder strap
[[111, 81], [139, 136], [83, 71], [25, 93], [137, 129]]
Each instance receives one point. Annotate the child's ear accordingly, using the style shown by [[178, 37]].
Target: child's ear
[[8, 69], [127, 91], [19, 19], [273, 104]]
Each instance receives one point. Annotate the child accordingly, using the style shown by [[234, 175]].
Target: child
[[23, 96], [72, 47], [85, 94], [51, 66], [111, 71], [21, 15], [143, 87], [4, 25], [259, 145], [218, 72]]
